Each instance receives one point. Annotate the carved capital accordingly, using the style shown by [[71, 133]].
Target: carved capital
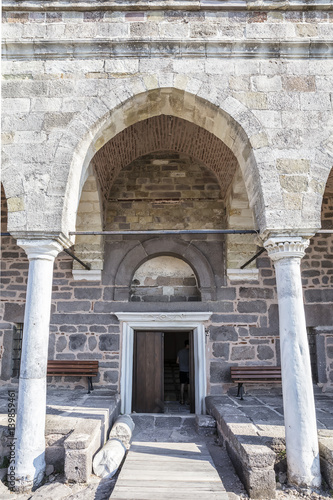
[[286, 247], [40, 249]]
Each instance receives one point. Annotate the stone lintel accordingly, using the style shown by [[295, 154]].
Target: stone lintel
[[190, 5], [88, 275], [243, 274]]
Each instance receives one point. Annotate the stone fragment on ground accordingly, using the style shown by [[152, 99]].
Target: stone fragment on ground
[[99, 490], [53, 491], [107, 461], [123, 429], [293, 493], [4, 492]]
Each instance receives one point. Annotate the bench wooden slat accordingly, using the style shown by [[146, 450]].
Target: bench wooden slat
[[73, 368], [254, 375], [75, 362], [257, 377], [249, 381], [255, 368]]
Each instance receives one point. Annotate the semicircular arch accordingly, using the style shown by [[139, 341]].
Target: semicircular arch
[[155, 247]]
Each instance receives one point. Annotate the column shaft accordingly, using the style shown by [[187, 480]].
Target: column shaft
[[298, 398], [30, 423]]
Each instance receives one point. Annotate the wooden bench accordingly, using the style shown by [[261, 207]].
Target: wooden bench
[[70, 368], [253, 375]]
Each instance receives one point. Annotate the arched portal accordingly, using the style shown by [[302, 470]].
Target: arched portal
[[168, 173], [229, 131]]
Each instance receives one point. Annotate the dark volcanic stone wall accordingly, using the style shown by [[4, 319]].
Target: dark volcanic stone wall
[[243, 327]]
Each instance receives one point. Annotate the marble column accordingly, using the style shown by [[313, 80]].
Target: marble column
[[298, 399], [30, 421]]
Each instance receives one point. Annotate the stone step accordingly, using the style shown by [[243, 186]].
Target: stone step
[[163, 421]]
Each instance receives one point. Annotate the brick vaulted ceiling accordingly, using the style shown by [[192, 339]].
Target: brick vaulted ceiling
[[163, 133]]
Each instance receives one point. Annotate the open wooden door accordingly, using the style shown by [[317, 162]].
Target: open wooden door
[[192, 378], [148, 372]]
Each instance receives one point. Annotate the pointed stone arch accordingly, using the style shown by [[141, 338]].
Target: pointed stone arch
[[224, 117]]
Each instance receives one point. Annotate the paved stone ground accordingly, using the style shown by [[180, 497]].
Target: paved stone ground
[[181, 428], [265, 410], [176, 428]]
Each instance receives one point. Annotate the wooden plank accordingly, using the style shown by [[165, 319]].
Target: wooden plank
[[164, 471], [168, 464], [172, 494], [160, 484]]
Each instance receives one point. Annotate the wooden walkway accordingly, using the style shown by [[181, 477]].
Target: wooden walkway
[[168, 471]]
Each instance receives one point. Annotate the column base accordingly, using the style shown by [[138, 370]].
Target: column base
[[24, 484], [305, 482]]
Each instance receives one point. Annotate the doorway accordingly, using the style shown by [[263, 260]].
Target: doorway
[[173, 342], [163, 322], [156, 384]]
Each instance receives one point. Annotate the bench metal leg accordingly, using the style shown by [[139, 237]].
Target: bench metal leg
[[240, 390], [90, 385]]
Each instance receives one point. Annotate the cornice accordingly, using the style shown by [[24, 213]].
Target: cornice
[[136, 318], [146, 5], [104, 48]]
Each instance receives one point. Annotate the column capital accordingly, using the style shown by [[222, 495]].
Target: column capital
[[281, 247], [40, 249]]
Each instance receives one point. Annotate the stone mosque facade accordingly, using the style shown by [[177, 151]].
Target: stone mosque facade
[[164, 144]]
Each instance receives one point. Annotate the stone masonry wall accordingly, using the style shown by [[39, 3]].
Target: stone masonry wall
[[269, 71], [165, 191], [168, 24], [243, 328], [164, 279]]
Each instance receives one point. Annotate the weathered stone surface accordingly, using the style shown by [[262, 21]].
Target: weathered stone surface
[[123, 429], [219, 372], [14, 312], [221, 350], [77, 342], [242, 352], [111, 376], [223, 333], [109, 342], [92, 342], [107, 461], [265, 352], [251, 306], [56, 491], [61, 343]]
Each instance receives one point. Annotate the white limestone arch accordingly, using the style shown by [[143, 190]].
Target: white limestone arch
[[207, 107], [47, 203]]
